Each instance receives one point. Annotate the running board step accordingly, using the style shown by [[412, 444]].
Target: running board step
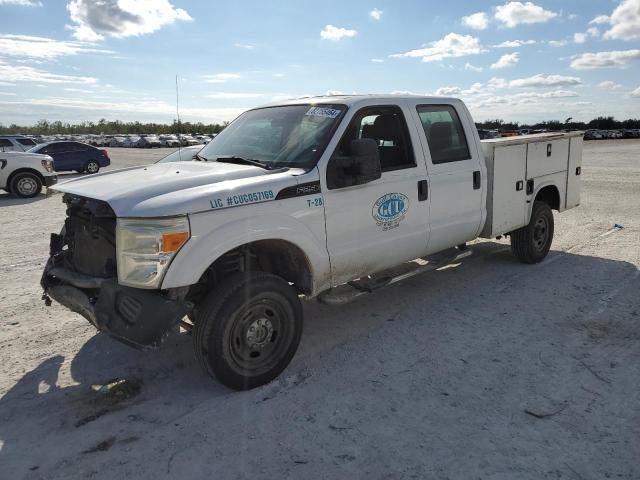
[[352, 290]]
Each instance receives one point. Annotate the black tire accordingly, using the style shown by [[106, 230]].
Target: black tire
[[26, 185], [92, 167], [248, 329], [531, 244]]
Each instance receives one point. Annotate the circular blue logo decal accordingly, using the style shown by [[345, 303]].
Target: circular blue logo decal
[[389, 210]]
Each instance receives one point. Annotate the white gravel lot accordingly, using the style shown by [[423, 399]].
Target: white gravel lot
[[491, 370]]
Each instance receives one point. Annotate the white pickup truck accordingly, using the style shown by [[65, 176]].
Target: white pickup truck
[[327, 197], [24, 174]]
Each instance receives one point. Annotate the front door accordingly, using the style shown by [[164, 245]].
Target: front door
[[382, 223], [457, 175]]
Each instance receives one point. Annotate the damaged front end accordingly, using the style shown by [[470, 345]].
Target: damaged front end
[[81, 274]]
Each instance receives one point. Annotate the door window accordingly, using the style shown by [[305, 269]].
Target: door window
[[5, 143], [444, 132], [387, 126], [27, 142]]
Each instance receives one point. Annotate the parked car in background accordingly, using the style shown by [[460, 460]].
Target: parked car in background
[[169, 141], [182, 154], [16, 143], [148, 141], [68, 156], [23, 173], [130, 142], [116, 142], [188, 140]]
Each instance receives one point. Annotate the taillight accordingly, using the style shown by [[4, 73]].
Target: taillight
[[105, 153]]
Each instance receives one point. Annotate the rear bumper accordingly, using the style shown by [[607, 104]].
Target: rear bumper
[[139, 318]]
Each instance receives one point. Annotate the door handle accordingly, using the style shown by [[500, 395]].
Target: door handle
[[423, 190], [519, 185], [476, 180]]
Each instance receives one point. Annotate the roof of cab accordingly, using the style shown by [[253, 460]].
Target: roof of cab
[[351, 100]]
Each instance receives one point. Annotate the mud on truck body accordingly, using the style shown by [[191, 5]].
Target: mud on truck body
[[327, 198]]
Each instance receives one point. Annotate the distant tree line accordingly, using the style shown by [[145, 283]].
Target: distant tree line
[[600, 123], [107, 127], [113, 127]]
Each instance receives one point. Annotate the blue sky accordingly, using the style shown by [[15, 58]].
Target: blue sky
[[117, 59]]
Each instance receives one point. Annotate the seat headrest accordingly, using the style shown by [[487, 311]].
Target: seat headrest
[[440, 135]]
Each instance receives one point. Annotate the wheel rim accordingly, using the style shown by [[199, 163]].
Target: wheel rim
[[92, 167], [27, 186], [259, 336], [540, 233]]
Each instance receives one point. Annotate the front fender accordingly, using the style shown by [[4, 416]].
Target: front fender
[[207, 244]]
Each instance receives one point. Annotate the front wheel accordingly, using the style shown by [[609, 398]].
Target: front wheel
[[531, 244], [26, 185], [92, 167], [248, 329]]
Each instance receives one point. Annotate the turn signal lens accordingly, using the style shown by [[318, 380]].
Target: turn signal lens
[[171, 242]]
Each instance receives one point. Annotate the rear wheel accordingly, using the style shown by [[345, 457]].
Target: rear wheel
[[247, 330], [92, 167], [26, 185], [531, 244]]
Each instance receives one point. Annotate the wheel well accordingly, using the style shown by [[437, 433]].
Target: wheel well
[[24, 170], [280, 257], [550, 196]]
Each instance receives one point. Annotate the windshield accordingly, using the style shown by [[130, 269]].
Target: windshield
[[284, 136]]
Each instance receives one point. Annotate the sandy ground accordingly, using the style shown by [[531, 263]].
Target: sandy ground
[[491, 370]]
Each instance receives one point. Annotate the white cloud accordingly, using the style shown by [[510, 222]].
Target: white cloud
[[625, 21], [498, 83], [377, 60], [636, 93], [232, 95], [20, 73], [221, 77], [541, 81], [514, 43], [452, 45], [94, 109], [44, 48], [593, 32], [468, 66], [610, 85], [448, 91], [513, 14], [557, 43], [78, 90], [335, 34], [612, 59], [376, 14], [579, 37], [246, 46], [508, 60], [600, 20], [92, 20], [22, 3], [477, 21]]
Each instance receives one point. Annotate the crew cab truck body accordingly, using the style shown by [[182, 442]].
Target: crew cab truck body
[[304, 198], [24, 174]]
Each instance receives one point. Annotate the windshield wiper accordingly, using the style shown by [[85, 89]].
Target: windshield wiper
[[201, 158], [243, 161]]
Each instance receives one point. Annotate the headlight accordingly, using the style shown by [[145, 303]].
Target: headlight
[[145, 247], [47, 164]]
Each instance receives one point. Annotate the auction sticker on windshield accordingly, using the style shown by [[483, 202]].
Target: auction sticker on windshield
[[323, 112], [389, 210]]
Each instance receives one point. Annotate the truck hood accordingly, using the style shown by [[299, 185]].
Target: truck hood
[[178, 188]]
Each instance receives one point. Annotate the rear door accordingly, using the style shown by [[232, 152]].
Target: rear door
[[382, 223], [457, 174]]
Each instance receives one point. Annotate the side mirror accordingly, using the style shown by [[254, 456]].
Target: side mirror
[[362, 166]]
